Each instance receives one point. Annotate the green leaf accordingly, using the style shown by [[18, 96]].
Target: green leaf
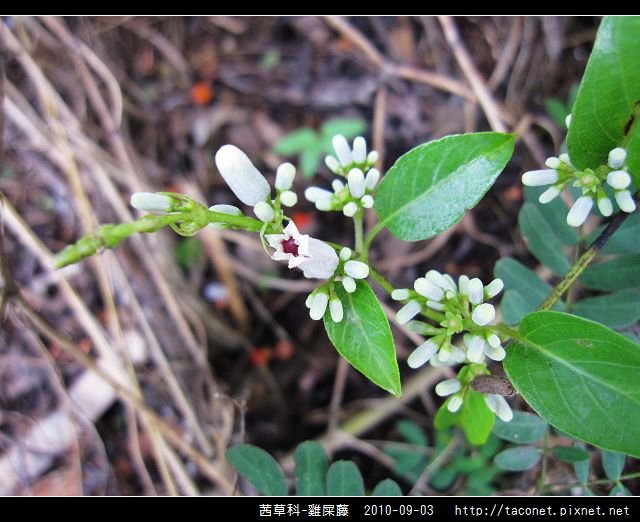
[[429, 188], [613, 463], [363, 337], [618, 274], [582, 470], [521, 458], [387, 488], [311, 469], [541, 239], [578, 375], [555, 214], [412, 432], [296, 141], [614, 310], [443, 478], [609, 97], [524, 428], [570, 454], [625, 239], [344, 479], [348, 127], [474, 417], [557, 110], [189, 252], [524, 292], [259, 468], [309, 160], [620, 491]]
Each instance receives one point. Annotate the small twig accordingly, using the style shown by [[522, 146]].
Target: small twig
[[488, 104], [433, 465], [337, 394]]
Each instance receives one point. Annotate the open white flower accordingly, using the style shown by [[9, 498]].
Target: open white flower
[[316, 259]]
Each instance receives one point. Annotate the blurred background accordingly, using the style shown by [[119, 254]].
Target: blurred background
[[205, 342]]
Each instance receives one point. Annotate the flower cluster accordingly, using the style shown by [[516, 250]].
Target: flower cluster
[[458, 310], [361, 178], [561, 172]]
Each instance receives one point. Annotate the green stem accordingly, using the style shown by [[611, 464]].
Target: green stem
[[372, 234], [584, 260], [358, 229], [564, 485], [381, 280], [239, 222]]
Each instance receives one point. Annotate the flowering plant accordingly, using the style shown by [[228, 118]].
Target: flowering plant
[[578, 374]]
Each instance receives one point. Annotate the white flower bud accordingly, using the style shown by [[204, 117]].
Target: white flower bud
[[564, 158], [264, 212], [315, 194], [535, 178], [349, 284], [549, 195], [463, 284], [366, 201], [493, 288], [448, 387], [356, 269], [324, 205], [224, 209], [337, 185], [618, 179], [475, 349], [359, 150], [483, 314], [495, 353], [319, 306], [350, 209], [553, 162], [371, 179], [457, 355], [440, 280], [617, 157], [372, 157], [567, 120], [493, 340], [345, 253], [498, 405], [284, 176], [408, 312], [150, 201], [476, 291], [625, 201], [435, 305], [243, 178], [454, 403], [400, 294], [288, 198], [341, 146], [310, 298], [356, 183], [605, 206], [422, 354], [427, 289], [335, 309], [332, 164], [579, 211]]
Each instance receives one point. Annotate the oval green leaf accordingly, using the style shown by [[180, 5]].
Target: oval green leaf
[[555, 214], [613, 463], [429, 188], [344, 479], [607, 107], [311, 469], [542, 240], [387, 488], [614, 310], [363, 337], [620, 491], [521, 458], [618, 274], [625, 239], [474, 417], [259, 468], [579, 376], [570, 454], [582, 470], [524, 428]]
